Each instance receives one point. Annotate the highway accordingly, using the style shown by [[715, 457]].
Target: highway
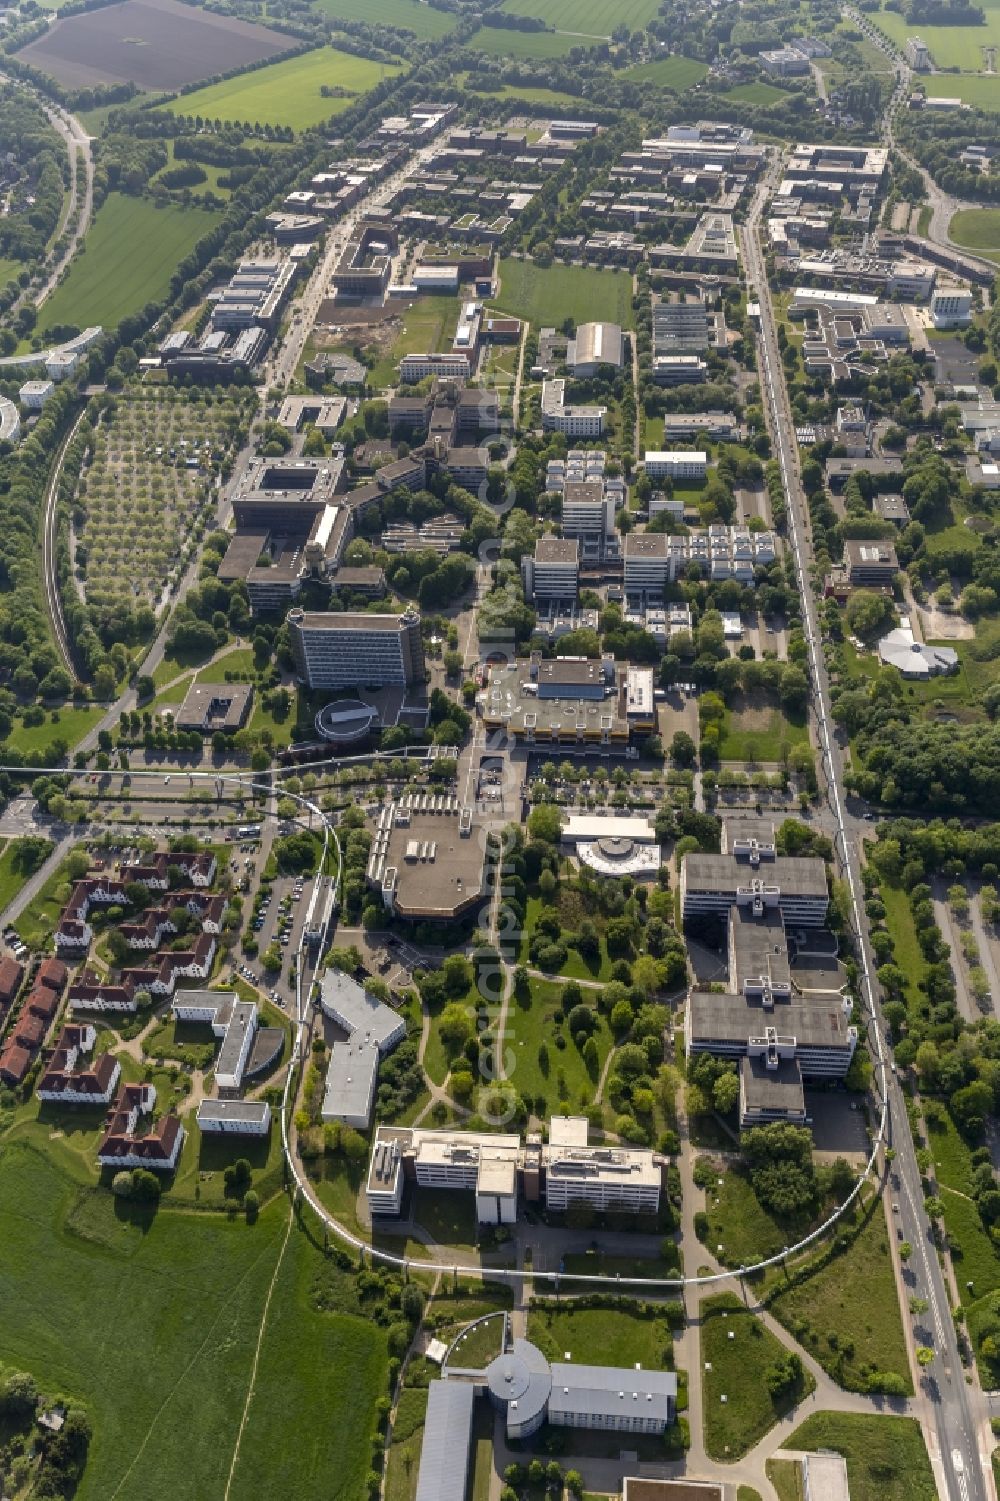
[[960, 1435]]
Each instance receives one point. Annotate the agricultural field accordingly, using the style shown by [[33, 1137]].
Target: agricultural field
[[675, 72], [548, 295], [596, 18], [202, 1283], [151, 468], [409, 15], [289, 92], [499, 42], [155, 44], [131, 251], [950, 46]]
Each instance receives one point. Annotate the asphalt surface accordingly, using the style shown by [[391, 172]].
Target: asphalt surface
[[944, 1387]]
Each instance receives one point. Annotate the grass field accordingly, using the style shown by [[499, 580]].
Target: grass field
[[675, 72], [739, 1350], [976, 228], [950, 46], [980, 89], [131, 251], [886, 1457], [212, 175], [410, 15], [12, 877], [404, 1451], [516, 91], [757, 734], [757, 92], [623, 1336], [38, 920], [559, 1074], [738, 1223], [9, 269], [846, 1313], [172, 1305], [547, 295], [499, 42], [288, 93], [428, 328], [594, 17], [69, 724], [786, 1477]]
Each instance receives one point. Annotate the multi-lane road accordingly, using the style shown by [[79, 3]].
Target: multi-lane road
[[955, 1413]]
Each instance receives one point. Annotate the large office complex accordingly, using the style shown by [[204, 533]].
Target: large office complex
[[348, 650], [563, 1171], [655, 559], [782, 1028], [574, 421], [372, 1029], [553, 572], [569, 702], [428, 857]]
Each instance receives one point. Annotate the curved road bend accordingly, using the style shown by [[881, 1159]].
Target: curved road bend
[[961, 1456]]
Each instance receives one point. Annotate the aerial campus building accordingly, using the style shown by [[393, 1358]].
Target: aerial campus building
[[245, 1050], [563, 1171], [351, 650], [372, 1029], [530, 1390], [781, 1032], [428, 858]]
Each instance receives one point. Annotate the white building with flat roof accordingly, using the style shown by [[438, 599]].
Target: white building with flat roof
[[676, 463], [373, 1030], [35, 393], [574, 421]]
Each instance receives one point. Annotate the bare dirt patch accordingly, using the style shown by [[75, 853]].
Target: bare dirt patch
[[155, 44], [942, 625]]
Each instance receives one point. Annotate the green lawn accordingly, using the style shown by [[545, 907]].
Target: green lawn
[[212, 173], [908, 953], [288, 93], [9, 269], [497, 41], [620, 1336], [530, 95], [979, 89], [951, 46], [403, 1461], [757, 92], [740, 1351], [481, 1344], [548, 295], [409, 15], [428, 328], [594, 17], [600, 1264], [171, 1304], [737, 1222], [130, 253], [846, 1312], [976, 228], [12, 874], [69, 724], [448, 1216], [536, 1065], [675, 72], [886, 1457], [38, 920], [786, 1477], [758, 734]]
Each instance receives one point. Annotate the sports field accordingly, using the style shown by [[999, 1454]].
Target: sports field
[[548, 295], [950, 46], [289, 92], [676, 72], [980, 89], [595, 17], [412, 15], [501, 43], [151, 1319], [131, 251]]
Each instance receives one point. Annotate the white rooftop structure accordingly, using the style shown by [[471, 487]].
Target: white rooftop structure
[[373, 1029], [915, 659]]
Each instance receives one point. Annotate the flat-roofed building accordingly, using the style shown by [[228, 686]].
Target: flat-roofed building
[[870, 562], [795, 885], [619, 1178], [453, 365], [588, 515], [208, 707], [427, 858], [677, 463], [357, 650], [373, 1029], [951, 306], [573, 421], [232, 1021], [234, 1117], [559, 704], [553, 572]]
